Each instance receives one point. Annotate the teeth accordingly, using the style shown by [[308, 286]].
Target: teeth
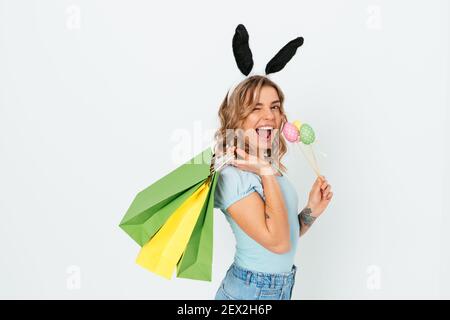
[[266, 131]]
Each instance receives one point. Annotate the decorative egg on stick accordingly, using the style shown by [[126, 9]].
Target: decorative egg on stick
[[297, 132], [290, 132]]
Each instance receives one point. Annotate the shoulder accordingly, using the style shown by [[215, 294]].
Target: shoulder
[[233, 173], [231, 176], [234, 184]]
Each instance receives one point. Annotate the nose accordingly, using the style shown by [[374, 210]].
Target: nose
[[268, 114]]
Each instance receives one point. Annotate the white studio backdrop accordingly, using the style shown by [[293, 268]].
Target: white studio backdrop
[[99, 99]]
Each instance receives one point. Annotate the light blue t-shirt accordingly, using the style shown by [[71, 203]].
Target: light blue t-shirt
[[234, 184]]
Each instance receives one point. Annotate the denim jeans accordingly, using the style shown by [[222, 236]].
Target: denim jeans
[[242, 284]]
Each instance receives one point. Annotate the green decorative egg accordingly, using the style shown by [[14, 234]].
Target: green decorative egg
[[307, 135]]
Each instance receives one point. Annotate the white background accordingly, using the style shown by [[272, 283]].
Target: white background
[[98, 96]]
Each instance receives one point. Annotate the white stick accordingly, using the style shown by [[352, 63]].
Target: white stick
[[311, 163]]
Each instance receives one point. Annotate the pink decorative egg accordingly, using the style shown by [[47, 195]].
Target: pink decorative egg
[[290, 132]]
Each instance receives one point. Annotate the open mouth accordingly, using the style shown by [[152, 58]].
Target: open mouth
[[264, 133]]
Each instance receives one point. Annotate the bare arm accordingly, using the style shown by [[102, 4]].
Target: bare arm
[[305, 220], [266, 222], [319, 198]]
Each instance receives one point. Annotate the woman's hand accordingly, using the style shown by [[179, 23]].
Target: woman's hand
[[319, 196], [251, 163]]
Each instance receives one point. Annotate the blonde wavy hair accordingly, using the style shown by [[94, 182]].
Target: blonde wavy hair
[[235, 108]]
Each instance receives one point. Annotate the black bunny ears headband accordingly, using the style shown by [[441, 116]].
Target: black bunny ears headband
[[244, 58]]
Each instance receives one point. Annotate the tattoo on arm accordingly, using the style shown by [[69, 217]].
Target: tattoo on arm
[[306, 217], [268, 208]]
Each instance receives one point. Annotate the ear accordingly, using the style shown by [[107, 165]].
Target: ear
[[283, 56], [241, 50]]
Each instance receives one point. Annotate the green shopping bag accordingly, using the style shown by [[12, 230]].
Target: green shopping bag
[[152, 206], [196, 262]]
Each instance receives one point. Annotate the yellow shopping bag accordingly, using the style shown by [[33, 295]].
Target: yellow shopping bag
[[162, 253]]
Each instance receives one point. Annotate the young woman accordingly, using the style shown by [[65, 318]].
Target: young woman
[[258, 201]]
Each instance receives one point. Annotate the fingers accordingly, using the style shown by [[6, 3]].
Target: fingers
[[239, 162], [317, 186], [326, 193], [320, 180], [230, 150], [242, 153], [317, 183], [325, 186]]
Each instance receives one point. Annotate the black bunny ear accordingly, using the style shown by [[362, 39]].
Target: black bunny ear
[[283, 56], [241, 50]]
